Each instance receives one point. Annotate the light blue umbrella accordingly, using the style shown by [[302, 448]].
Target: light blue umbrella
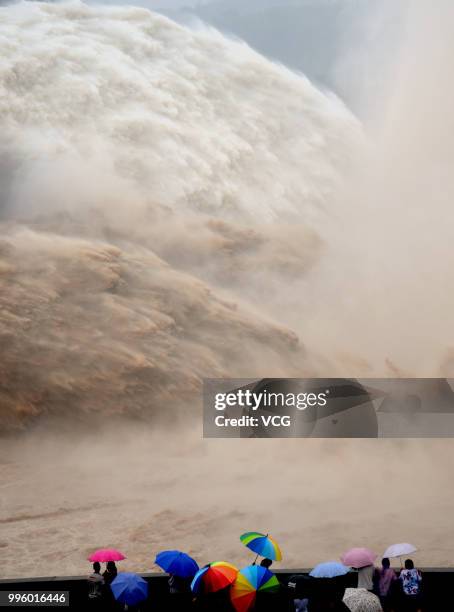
[[329, 569], [177, 563], [129, 588]]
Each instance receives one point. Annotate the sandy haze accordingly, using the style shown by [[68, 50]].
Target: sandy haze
[[174, 206]]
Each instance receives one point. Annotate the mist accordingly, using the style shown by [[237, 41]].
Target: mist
[[176, 206], [396, 241]]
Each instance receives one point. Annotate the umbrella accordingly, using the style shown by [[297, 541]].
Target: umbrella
[[358, 557], [360, 600], [399, 550], [177, 563], [330, 569], [248, 583], [214, 577], [103, 555], [263, 545], [300, 585], [129, 588]]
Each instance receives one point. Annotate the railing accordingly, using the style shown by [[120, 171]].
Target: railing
[[438, 588]]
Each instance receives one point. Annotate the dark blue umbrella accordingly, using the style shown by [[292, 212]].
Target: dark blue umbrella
[[129, 588], [177, 563]]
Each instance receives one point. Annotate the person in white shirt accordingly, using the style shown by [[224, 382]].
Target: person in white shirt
[[366, 577], [95, 583]]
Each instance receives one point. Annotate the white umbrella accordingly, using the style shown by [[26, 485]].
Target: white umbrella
[[399, 550]]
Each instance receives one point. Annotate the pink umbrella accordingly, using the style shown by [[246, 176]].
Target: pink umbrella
[[358, 557], [106, 554]]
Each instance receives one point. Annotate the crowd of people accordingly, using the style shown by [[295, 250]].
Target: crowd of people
[[367, 589]]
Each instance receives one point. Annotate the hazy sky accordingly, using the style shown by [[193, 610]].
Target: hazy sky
[[166, 4], [341, 45]]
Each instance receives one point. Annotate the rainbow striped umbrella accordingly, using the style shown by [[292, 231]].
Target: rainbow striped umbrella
[[263, 545], [248, 582], [214, 577]]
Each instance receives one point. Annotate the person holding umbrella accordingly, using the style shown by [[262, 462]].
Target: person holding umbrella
[[181, 569], [362, 560], [398, 551], [266, 563], [211, 585], [328, 588], [328, 597], [255, 587], [110, 573], [130, 590], [299, 589], [386, 578], [109, 556], [95, 585], [366, 577], [411, 586]]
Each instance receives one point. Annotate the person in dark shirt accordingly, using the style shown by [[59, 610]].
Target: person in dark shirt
[[180, 592], [385, 577], [327, 594], [111, 572], [266, 563]]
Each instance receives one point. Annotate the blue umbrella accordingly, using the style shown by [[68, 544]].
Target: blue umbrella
[[330, 569], [177, 563], [129, 588]]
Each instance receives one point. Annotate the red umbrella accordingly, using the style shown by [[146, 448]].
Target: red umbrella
[[214, 577]]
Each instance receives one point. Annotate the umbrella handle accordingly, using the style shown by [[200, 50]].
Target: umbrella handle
[[257, 556]]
